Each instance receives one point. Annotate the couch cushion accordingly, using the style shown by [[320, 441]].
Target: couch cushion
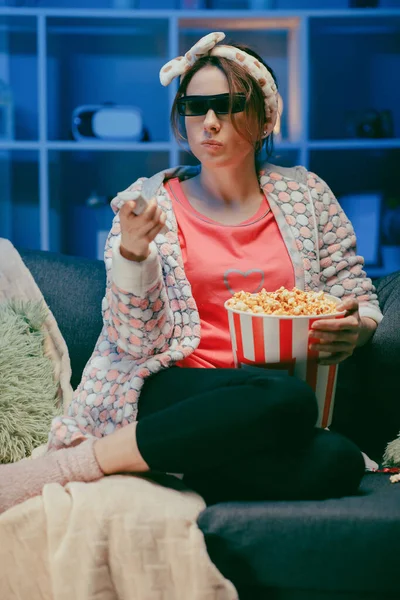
[[367, 409], [73, 288], [346, 544]]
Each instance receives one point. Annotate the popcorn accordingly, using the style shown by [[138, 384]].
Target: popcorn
[[271, 330], [293, 302]]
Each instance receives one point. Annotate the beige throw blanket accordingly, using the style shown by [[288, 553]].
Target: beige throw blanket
[[120, 538]]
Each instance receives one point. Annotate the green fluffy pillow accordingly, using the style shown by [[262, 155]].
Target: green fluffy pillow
[[28, 391], [391, 458]]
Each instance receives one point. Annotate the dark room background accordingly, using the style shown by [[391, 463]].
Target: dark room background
[[338, 68]]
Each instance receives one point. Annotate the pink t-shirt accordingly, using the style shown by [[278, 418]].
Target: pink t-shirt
[[222, 259]]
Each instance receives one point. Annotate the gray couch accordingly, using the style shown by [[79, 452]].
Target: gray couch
[[343, 548]]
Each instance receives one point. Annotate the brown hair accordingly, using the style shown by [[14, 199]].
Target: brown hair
[[239, 80]]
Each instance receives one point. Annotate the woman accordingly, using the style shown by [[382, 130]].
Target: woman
[[159, 392]]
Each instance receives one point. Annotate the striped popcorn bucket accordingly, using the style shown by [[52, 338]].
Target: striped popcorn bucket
[[281, 343]]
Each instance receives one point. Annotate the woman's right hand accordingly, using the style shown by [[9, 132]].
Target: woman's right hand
[[137, 231]]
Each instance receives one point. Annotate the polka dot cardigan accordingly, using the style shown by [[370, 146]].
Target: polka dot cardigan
[[150, 316]]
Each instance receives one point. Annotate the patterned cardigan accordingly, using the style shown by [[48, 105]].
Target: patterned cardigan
[[150, 316]]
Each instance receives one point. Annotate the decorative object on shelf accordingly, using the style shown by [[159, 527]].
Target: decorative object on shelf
[[370, 124], [6, 112], [364, 211], [109, 122], [363, 3]]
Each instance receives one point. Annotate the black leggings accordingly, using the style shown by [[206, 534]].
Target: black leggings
[[243, 435]]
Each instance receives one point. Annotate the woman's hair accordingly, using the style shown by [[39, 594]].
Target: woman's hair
[[239, 80]]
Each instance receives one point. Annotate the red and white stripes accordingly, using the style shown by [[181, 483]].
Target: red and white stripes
[[280, 342]]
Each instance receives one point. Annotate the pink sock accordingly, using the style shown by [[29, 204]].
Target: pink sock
[[25, 479]]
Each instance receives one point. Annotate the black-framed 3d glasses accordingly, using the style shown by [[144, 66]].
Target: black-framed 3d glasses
[[195, 106]]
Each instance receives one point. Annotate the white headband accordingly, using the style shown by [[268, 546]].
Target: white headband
[[207, 45]]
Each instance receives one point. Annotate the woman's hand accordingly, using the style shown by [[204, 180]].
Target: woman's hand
[[137, 231], [339, 337]]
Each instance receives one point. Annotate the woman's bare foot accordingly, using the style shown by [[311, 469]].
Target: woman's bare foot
[[119, 453]]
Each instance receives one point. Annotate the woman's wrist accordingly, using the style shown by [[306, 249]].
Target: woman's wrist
[[367, 330], [131, 256]]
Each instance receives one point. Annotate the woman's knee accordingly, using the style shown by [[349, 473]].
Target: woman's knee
[[294, 400]]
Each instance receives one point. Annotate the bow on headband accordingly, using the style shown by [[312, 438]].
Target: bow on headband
[[207, 45]]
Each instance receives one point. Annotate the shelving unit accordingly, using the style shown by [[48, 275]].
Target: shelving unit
[[328, 62], [19, 210]]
